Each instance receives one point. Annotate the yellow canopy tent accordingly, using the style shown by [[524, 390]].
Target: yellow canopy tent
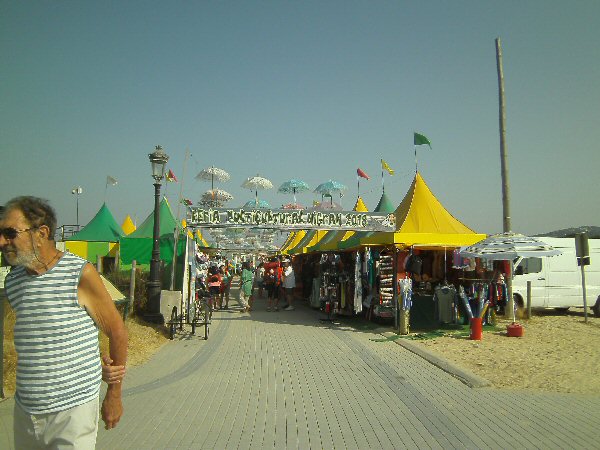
[[333, 238], [294, 242], [421, 220], [309, 239], [288, 240]]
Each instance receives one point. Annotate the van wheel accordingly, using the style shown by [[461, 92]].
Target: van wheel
[[596, 307], [519, 304]]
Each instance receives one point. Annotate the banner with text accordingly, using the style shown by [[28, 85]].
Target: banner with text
[[286, 219]]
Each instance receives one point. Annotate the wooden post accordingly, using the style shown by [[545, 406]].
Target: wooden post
[[395, 291], [132, 286], [529, 299]]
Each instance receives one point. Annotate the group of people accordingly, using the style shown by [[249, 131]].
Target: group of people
[[278, 279], [218, 281], [274, 276]]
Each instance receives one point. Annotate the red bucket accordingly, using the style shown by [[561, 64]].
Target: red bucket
[[515, 330], [476, 328]]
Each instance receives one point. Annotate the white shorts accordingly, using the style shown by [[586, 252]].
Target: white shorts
[[74, 428]]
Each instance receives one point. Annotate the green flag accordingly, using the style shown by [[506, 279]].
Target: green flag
[[421, 140]]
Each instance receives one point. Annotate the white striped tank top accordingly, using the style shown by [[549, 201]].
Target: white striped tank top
[[58, 364]]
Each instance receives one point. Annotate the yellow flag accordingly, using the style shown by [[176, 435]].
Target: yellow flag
[[385, 166]]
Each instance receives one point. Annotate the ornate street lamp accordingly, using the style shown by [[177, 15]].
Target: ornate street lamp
[[158, 159]]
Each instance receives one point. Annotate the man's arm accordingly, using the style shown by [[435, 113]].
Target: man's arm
[[94, 297]]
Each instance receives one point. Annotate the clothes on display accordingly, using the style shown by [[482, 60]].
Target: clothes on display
[[357, 284], [445, 300], [385, 284]]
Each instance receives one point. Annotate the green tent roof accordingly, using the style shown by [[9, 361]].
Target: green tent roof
[[384, 206], [166, 227], [138, 245], [102, 228]]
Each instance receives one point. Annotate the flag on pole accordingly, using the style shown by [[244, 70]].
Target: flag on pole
[[170, 176], [421, 140], [385, 166], [110, 180], [187, 202], [361, 174]]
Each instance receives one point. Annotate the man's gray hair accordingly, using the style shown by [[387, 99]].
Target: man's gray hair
[[36, 210]]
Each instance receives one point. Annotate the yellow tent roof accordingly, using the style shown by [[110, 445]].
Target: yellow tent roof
[[297, 238], [288, 240], [423, 221], [128, 225], [201, 239], [330, 242]]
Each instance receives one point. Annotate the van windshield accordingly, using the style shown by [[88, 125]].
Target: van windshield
[[529, 265]]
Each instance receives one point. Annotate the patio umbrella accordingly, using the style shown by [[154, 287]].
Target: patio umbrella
[[263, 204], [211, 174], [292, 186], [509, 247], [216, 197], [255, 183], [330, 187]]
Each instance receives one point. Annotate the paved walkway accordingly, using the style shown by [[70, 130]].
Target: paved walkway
[[286, 380]]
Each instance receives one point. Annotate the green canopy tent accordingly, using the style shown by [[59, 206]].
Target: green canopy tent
[[384, 206], [99, 238], [138, 245]]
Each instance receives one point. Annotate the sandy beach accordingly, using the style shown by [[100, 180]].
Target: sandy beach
[[558, 353]]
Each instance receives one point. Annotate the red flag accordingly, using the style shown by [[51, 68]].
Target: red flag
[[187, 202], [171, 176], [361, 174]]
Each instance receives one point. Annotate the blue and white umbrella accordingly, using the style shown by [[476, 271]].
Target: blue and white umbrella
[[330, 187], [263, 204], [293, 186]]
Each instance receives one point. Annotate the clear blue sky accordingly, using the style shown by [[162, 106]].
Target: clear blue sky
[[306, 89]]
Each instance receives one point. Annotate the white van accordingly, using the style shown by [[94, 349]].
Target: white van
[[556, 280]]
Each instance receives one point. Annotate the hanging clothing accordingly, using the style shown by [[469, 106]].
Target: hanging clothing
[[444, 296], [357, 284]]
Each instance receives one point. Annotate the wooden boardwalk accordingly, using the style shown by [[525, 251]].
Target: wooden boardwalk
[[285, 380]]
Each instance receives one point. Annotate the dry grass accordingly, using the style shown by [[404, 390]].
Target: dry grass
[[144, 340]]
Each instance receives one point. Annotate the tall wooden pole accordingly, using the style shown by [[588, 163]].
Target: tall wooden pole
[[506, 225], [503, 156]]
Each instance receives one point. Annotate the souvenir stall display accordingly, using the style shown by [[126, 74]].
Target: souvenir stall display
[[384, 285], [482, 291], [329, 292]]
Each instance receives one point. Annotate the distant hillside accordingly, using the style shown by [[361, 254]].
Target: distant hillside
[[592, 231]]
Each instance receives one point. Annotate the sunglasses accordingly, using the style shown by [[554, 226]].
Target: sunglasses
[[12, 233]]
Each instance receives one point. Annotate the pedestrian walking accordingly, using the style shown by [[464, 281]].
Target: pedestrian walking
[[272, 281], [259, 278], [226, 279], [60, 302], [246, 297], [289, 284], [214, 287]]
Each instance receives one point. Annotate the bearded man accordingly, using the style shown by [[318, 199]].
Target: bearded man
[[60, 302]]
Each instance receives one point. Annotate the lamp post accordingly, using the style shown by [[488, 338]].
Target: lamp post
[[78, 190], [158, 159]]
